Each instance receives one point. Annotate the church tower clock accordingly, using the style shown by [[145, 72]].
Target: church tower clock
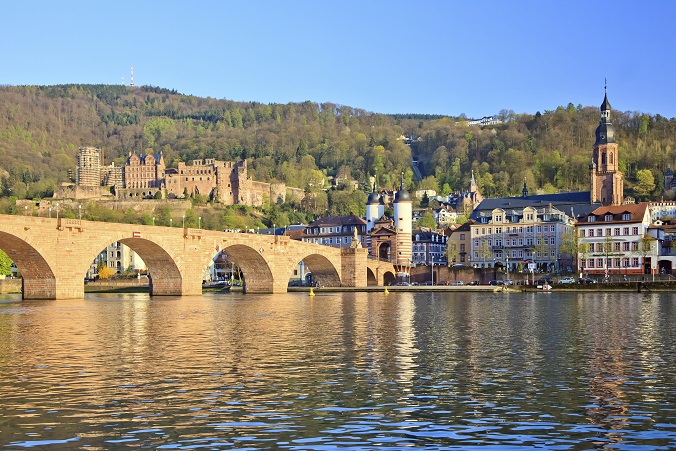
[[607, 183]]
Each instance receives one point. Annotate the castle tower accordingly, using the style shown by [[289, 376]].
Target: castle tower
[[88, 169], [607, 182], [403, 222], [375, 208]]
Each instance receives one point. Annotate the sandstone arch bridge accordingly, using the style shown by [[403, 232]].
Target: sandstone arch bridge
[[54, 254]]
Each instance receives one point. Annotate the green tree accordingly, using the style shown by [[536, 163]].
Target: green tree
[[452, 253], [645, 183], [427, 220], [5, 264], [485, 252]]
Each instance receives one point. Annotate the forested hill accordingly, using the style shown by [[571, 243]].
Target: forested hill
[[41, 128]]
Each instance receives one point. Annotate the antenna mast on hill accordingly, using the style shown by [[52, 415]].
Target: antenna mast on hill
[[122, 80], [132, 76]]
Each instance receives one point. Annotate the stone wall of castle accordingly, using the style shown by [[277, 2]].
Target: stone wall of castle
[[144, 176]]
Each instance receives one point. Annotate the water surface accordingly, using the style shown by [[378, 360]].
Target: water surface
[[345, 370]]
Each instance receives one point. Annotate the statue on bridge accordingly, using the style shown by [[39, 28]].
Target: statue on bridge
[[356, 244]]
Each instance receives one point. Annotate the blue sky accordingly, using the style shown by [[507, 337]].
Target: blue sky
[[389, 56]]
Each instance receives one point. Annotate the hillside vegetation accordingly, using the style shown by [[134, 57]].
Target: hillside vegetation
[[41, 128]]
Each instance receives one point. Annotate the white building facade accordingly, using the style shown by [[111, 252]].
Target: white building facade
[[616, 240]]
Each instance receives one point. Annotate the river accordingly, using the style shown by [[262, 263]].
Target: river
[[440, 370]]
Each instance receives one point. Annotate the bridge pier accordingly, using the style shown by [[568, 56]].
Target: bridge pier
[[61, 287], [353, 267]]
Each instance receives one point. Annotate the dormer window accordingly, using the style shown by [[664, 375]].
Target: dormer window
[[609, 218], [626, 216], [592, 218]]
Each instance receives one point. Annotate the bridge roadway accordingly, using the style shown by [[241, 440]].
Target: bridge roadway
[[53, 256]]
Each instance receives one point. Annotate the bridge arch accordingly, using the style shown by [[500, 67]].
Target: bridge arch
[[371, 278], [258, 277], [324, 272], [39, 280]]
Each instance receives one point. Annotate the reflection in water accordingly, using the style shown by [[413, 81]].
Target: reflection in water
[[350, 370]]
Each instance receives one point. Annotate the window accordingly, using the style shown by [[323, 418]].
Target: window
[[617, 231], [625, 231], [625, 246], [462, 248], [539, 229], [462, 237], [592, 218], [599, 262], [617, 246], [498, 230], [583, 232], [609, 218], [634, 246], [529, 229], [591, 232], [599, 232], [634, 261], [634, 231], [591, 262], [476, 243], [626, 216]]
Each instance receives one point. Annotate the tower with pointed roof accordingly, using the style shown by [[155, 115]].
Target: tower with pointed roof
[[403, 221], [607, 182], [375, 208]]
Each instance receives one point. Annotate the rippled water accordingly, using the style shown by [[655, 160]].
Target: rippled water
[[348, 370]]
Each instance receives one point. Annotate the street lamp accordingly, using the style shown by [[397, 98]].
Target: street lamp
[[184, 221], [200, 222], [171, 222], [57, 210], [507, 260], [153, 220], [432, 258], [50, 212], [79, 211], [25, 210]]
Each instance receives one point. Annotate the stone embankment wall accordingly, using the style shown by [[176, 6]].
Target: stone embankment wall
[[10, 286]]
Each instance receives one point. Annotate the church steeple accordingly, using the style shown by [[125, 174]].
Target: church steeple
[[524, 191], [607, 184]]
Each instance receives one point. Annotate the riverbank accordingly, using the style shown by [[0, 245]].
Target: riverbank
[[12, 286]]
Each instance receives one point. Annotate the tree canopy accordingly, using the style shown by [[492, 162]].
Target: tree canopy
[[302, 143]]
